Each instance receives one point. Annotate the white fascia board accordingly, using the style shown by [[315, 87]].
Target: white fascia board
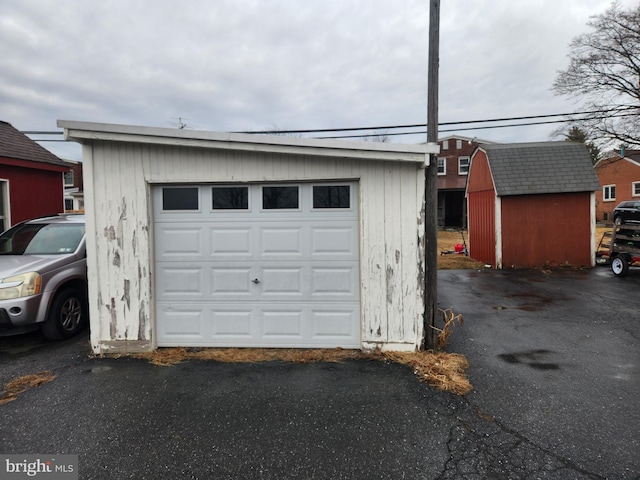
[[85, 132]]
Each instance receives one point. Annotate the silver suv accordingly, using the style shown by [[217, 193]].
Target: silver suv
[[43, 277]]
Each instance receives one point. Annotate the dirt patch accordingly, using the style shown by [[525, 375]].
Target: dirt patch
[[22, 384], [445, 371], [447, 241]]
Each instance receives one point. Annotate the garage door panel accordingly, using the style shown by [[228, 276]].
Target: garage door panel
[[281, 281], [334, 324], [181, 325], [279, 325], [231, 281], [227, 242], [179, 241], [340, 282], [180, 282], [232, 323], [258, 277], [334, 241], [284, 324], [281, 241]]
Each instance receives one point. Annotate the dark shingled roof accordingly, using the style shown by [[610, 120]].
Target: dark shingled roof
[[545, 167], [16, 145]]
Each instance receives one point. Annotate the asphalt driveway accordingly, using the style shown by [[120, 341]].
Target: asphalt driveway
[[554, 362], [555, 357]]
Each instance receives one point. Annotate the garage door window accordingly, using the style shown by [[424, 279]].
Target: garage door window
[[180, 198], [331, 196], [277, 198], [230, 198]]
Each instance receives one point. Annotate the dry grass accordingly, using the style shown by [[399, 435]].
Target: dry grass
[[445, 332], [447, 241], [445, 371], [22, 384]]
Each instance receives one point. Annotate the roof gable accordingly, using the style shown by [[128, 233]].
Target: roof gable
[[16, 145], [544, 167], [632, 158]]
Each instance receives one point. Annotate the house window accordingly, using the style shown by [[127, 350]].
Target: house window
[[180, 198], [442, 166], [445, 144], [277, 198], [230, 198], [68, 179], [609, 193], [635, 189], [331, 196], [463, 165], [68, 204], [458, 144]]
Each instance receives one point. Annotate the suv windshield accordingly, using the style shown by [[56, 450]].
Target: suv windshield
[[41, 239]]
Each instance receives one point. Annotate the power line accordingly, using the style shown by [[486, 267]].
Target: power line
[[464, 122], [613, 112], [486, 127]]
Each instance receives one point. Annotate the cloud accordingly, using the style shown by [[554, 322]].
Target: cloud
[[253, 64]]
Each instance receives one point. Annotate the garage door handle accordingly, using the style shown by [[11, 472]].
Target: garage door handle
[[256, 281]]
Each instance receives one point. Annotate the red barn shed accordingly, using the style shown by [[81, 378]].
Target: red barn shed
[[532, 205], [31, 178]]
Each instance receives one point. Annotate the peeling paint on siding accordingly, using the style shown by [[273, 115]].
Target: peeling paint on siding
[[389, 284], [125, 296], [142, 321], [110, 233], [116, 259], [113, 317]]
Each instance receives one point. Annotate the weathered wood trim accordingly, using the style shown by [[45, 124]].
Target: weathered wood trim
[[497, 211], [125, 346]]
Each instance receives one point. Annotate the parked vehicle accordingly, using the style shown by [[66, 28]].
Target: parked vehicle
[[43, 277], [626, 212]]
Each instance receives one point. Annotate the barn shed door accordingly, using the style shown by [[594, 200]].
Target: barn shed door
[[257, 265]]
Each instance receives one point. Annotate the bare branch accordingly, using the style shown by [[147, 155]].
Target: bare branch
[[604, 71]]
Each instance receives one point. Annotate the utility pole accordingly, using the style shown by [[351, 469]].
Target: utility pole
[[431, 183]]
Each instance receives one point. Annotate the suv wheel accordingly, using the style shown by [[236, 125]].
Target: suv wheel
[[67, 315], [620, 266], [617, 221]]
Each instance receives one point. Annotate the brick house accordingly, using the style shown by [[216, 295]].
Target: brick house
[[453, 167], [619, 178]]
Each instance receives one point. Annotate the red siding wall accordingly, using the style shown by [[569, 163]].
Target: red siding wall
[[481, 211], [33, 192], [539, 230], [482, 231]]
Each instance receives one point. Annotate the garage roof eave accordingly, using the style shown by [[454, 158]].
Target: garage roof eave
[[86, 132]]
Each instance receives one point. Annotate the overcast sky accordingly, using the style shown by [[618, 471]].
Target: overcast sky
[[233, 65]]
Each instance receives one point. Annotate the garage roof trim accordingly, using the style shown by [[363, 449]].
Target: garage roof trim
[[86, 132]]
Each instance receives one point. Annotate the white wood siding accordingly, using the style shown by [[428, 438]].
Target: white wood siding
[[117, 193]]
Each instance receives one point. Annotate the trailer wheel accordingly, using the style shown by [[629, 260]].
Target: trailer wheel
[[620, 265]]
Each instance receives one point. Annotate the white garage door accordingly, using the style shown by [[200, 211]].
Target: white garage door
[[257, 265]]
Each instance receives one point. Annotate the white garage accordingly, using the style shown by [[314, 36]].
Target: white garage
[[205, 239]]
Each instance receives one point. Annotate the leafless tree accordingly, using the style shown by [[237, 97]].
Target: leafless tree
[[604, 72], [377, 137]]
